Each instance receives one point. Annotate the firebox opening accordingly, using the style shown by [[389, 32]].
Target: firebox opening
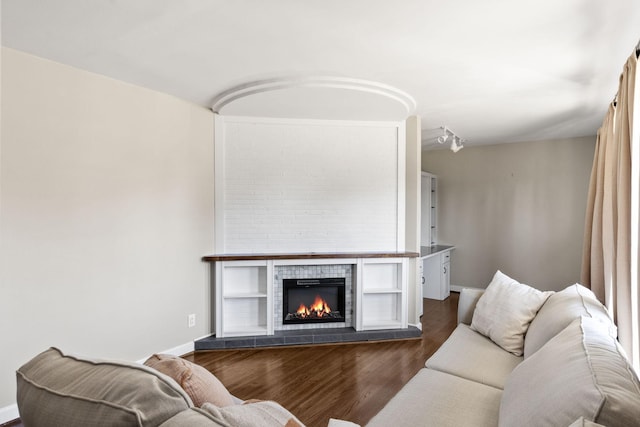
[[313, 300]]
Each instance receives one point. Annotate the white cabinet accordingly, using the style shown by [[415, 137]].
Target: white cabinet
[[244, 304], [382, 296], [419, 291], [445, 275], [428, 209], [436, 273]]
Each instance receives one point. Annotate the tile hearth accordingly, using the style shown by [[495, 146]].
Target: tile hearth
[[306, 337]]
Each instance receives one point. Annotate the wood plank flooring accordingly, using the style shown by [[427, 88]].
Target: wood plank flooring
[[346, 381]]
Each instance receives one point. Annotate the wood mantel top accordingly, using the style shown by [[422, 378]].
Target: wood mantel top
[[309, 255]]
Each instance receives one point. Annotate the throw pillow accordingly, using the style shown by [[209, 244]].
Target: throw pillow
[[505, 310], [252, 413], [200, 384]]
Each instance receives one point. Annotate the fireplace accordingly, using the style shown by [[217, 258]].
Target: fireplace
[[313, 300]]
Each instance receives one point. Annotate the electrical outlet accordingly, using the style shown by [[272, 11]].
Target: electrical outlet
[[192, 320]]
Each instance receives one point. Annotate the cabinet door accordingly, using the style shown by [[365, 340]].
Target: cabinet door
[[419, 290], [431, 273], [445, 280]]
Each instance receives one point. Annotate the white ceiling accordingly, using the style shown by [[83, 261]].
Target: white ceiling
[[493, 71]]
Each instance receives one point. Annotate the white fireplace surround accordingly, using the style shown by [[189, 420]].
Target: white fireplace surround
[[248, 291]]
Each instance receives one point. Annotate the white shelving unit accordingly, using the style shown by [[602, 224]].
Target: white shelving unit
[[244, 303], [433, 228], [436, 267], [429, 203], [382, 295], [244, 293]]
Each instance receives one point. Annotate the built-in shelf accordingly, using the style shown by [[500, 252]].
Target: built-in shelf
[[382, 291], [384, 325], [243, 301], [247, 295], [248, 331], [244, 289], [383, 294], [429, 211]]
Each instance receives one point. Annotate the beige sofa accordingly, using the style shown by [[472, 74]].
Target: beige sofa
[[572, 371], [59, 389], [563, 367]]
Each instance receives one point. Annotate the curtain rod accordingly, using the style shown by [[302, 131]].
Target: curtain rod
[[615, 98]]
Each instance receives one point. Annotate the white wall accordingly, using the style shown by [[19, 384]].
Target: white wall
[[106, 209], [291, 186], [516, 207]]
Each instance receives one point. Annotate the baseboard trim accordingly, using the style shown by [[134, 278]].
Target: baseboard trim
[[416, 325], [179, 350], [457, 288], [9, 413]]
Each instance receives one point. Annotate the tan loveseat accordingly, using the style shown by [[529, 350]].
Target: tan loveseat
[[62, 390], [562, 366], [568, 369]]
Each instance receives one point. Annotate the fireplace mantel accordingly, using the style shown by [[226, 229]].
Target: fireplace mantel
[[308, 255]]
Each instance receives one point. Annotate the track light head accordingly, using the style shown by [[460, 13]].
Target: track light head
[[456, 144], [448, 135]]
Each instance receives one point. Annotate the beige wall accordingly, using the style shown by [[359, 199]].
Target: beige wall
[[515, 207], [412, 215], [106, 208]]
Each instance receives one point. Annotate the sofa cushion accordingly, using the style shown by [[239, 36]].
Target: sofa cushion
[[57, 389], [505, 310], [438, 399], [200, 384], [581, 372], [467, 304], [561, 309], [581, 422], [192, 417], [253, 413], [334, 422], [475, 357]]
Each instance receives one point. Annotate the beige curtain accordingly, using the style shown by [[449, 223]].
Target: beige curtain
[[610, 255]]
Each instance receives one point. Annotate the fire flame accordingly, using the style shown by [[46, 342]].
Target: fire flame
[[319, 308]]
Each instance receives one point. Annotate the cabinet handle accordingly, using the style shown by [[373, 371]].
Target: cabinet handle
[[445, 270], [423, 280]]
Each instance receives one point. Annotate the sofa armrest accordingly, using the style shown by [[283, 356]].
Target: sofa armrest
[[467, 304]]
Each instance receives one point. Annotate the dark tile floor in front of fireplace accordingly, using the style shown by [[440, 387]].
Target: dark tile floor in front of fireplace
[[306, 337]]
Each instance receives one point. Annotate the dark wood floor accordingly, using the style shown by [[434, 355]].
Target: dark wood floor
[[346, 381]]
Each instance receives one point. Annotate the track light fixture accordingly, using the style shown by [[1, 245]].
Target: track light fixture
[[440, 136], [456, 141]]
